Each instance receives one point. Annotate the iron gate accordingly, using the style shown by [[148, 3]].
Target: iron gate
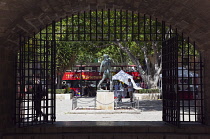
[[170, 81], [182, 82], [35, 82]]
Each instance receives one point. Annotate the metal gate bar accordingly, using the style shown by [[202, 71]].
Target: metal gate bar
[[170, 75], [35, 81], [108, 26], [190, 91]]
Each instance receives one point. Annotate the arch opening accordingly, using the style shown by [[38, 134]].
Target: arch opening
[[183, 73]]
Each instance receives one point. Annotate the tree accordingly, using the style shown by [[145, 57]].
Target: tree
[[121, 26]]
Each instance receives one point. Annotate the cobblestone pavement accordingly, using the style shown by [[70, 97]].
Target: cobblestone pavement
[[149, 110]]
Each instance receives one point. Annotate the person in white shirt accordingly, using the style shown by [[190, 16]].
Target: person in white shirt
[[130, 89]]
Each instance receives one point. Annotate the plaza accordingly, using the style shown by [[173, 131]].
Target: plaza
[[149, 110]]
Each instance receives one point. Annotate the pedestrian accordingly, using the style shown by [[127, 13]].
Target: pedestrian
[[130, 89], [85, 90], [120, 92], [89, 90], [143, 85], [38, 95], [125, 90], [116, 87]]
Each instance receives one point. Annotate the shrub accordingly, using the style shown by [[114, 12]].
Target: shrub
[[60, 91], [148, 91]]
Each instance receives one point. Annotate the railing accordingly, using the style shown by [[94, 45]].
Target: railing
[[90, 103], [83, 102]]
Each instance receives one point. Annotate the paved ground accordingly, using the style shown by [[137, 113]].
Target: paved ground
[[149, 110]]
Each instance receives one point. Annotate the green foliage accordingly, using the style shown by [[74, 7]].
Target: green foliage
[[110, 25], [148, 91], [69, 53], [60, 91]]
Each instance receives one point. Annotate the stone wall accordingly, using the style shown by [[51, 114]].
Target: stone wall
[[206, 77], [109, 130], [7, 87], [27, 17]]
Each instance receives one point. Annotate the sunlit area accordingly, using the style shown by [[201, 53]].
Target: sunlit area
[[80, 84], [110, 66]]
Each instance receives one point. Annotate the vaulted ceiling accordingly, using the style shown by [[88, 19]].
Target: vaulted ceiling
[[28, 16]]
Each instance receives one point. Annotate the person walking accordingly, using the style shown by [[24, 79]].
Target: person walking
[[38, 95], [130, 89]]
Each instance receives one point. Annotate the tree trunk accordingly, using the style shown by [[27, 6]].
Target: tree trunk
[[150, 79]]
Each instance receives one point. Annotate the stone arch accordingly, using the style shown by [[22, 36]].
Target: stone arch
[[74, 26], [33, 15], [190, 17]]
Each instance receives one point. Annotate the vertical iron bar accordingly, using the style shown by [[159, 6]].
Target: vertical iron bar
[[29, 83], [42, 57], [150, 25], [138, 26], [201, 84], [78, 25], [188, 78], [53, 73], [194, 82], [132, 19], [72, 21], [102, 24], [61, 29], [126, 25], [121, 33], [47, 67], [67, 28], [20, 80], [144, 27], [84, 27], [182, 78], [109, 25], [96, 27], [33, 80], [24, 85], [16, 82], [44, 75], [40, 62], [90, 26], [163, 31], [115, 24], [177, 77], [156, 29]]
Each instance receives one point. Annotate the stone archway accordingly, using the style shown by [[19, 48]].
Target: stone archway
[[22, 17], [125, 26], [27, 17]]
